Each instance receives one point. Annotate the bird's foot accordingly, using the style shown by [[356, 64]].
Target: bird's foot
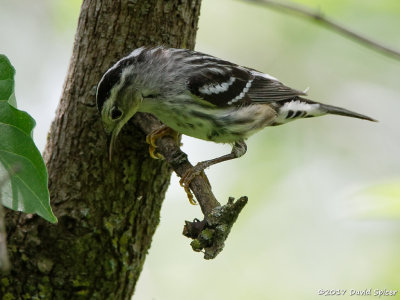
[[189, 176], [152, 138]]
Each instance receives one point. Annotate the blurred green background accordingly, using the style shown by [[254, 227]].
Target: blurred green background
[[324, 193]]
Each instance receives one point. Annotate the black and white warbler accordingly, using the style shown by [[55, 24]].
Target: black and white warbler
[[201, 96]]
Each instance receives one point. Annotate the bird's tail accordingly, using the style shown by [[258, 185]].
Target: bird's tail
[[299, 107], [334, 110]]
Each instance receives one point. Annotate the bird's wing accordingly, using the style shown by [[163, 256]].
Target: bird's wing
[[265, 88], [221, 83]]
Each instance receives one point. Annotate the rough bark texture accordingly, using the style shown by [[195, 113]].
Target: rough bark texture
[[107, 212]]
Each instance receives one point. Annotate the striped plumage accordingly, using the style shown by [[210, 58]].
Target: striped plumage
[[201, 96], [206, 97]]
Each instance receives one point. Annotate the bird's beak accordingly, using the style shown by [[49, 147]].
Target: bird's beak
[[113, 132], [111, 138], [110, 142]]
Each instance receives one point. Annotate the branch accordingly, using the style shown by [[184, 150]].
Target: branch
[[329, 24], [210, 234]]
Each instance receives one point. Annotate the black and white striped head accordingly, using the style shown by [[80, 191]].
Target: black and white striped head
[[117, 98], [144, 73]]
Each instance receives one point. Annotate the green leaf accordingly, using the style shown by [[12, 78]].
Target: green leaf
[[13, 117], [7, 73], [20, 160]]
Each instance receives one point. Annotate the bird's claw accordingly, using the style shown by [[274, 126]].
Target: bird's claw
[[185, 184], [154, 154], [189, 194], [189, 176], [152, 138]]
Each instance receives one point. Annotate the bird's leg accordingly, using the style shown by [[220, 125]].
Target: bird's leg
[[238, 150], [153, 136]]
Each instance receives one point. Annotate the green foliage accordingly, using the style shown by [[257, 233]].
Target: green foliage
[[23, 173]]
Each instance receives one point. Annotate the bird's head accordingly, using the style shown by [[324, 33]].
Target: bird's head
[[117, 100]]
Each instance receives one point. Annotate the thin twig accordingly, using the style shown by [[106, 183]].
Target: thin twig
[[329, 24], [210, 234]]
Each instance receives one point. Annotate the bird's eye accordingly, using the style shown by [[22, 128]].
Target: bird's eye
[[115, 113], [152, 96]]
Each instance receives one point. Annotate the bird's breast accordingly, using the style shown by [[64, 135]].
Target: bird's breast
[[220, 125]]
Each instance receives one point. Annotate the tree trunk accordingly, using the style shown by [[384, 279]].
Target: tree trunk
[[107, 212]]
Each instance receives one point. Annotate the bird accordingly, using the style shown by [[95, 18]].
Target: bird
[[202, 96]]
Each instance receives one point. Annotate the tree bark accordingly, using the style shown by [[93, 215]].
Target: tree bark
[[107, 212]]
